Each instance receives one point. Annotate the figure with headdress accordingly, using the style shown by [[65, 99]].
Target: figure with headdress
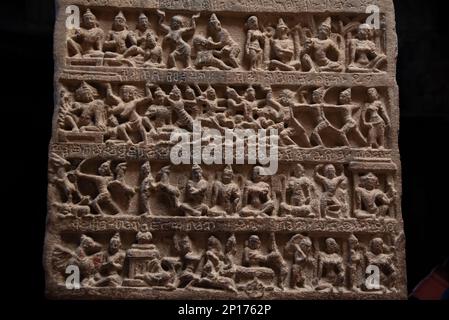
[[126, 110], [255, 43], [225, 195], [294, 132], [102, 180], [331, 206], [375, 117], [303, 270], [225, 48], [300, 195], [176, 101], [163, 186], [322, 54], [87, 42], [363, 53], [88, 257], [350, 126], [212, 271], [195, 194], [120, 41], [174, 35], [319, 116], [257, 201], [331, 268], [87, 113], [356, 264], [110, 274], [370, 201], [284, 50], [382, 256]]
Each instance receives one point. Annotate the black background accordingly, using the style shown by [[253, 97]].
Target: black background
[[26, 31]]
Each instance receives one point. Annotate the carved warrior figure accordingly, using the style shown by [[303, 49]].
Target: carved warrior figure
[[102, 181], [370, 201], [284, 50], [219, 50], [331, 271], [174, 35], [331, 206], [125, 109], [350, 126], [87, 113], [87, 42], [164, 188], [188, 262], [301, 195], [363, 54], [257, 200], [322, 54], [375, 118], [66, 183], [225, 195], [304, 265]]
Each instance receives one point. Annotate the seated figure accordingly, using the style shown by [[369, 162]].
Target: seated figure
[[257, 200]]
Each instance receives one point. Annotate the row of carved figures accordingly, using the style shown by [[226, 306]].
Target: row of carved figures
[[303, 118], [325, 195], [329, 47], [304, 264]]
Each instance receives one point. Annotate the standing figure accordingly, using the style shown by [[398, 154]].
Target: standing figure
[[195, 194], [300, 195], [284, 50], [370, 201], [375, 118], [146, 187], [331, 206], [102, 182], [225, 195], [322, 54], [363, 54], [294, 133], [331, 270], [174, 35], [319, 117], [255, 42], [257, 200], [304, 262], [356, 265], [350, 126], [87, 42]]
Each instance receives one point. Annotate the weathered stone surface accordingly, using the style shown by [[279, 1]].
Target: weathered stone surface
[[321, 74]]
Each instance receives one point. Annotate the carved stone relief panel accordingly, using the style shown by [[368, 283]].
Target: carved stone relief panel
[[138, 83]]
